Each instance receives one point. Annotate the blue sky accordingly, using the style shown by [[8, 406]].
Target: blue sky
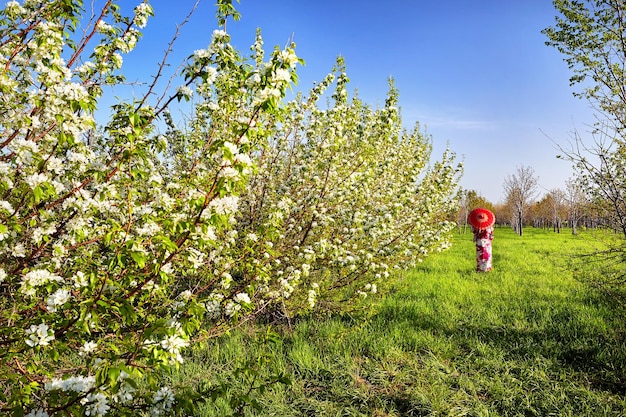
[[476, 74]]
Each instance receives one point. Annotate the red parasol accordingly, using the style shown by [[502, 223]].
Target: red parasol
[[481, 218]]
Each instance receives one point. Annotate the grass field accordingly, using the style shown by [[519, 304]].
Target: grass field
[[525, 339]]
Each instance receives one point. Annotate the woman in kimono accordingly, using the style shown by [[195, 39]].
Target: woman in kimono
[[482, 222]]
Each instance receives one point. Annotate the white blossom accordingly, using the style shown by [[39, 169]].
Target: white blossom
[[162, 401], [288, 57], [173, 344], [97, 404], [39, 335], [371, 288], [184, 91], [243, 159], [19, 250], [242, 297], [282, 75], [225, 205], [104, 28], [231, 308], [88, 348], [125, 394], [201, 53], [229, 172], [80, 280], [35, 180], [196, 257], [142, 12], [217, 34], [232, 148], [37, 278], [211, 74], [74, 383], [57, 299], [6, 206], [311, 298], [40, 232], [149, 228]]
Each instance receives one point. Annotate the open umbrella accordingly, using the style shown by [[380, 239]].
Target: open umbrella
[[481, 218]]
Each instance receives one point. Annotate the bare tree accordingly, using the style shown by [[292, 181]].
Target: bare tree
[[557, 206], [575, 198], [520, 191], [541, 212]]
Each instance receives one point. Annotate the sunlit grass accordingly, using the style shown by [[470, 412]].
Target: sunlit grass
[[524, 339]]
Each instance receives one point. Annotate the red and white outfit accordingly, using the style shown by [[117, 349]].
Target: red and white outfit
[[482, 221], [483, 238]]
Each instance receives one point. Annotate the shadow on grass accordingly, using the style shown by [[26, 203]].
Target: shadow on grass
[[593, 350]]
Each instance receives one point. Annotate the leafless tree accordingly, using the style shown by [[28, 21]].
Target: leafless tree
[[575, 198], [520, 189], [557, 205]]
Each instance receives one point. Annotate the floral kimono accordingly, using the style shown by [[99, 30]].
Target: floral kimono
[[483, 238]]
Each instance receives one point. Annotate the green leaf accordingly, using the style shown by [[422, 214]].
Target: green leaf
[[113, 375], [139, 258], [38, 193]]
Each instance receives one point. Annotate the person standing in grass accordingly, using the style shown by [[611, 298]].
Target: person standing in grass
[[482, 222]]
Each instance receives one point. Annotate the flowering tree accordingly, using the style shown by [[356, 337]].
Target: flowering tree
[[120, 245], [97, 229], [342, 196]]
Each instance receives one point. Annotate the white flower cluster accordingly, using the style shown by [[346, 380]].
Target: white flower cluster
[[162, 402], [39, 335], [184, 91], [312, 294], [235, 305], [38, 278], [142, 12], [173, 344], [57, 299], [213, 305], [96, 404], [78, 384], [88, 348]]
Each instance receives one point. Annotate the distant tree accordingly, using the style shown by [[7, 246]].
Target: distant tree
[[540, 212], [575, 200], [502, 212], [520, 192], [557, 208], [550, 211]]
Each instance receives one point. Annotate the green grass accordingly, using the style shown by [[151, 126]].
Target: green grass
[[525, 339]]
